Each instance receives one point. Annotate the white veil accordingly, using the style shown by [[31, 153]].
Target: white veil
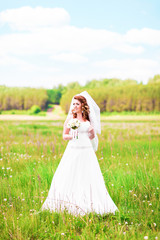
[[94, 116]]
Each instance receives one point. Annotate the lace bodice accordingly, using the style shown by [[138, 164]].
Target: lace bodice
[[83, 137]]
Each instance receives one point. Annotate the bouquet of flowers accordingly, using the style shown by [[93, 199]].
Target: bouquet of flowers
[[74, 124]]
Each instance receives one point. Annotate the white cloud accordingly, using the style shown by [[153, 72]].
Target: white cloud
[[27, 18], [45, 34], [125, 48], [51, 34], [65, 39], [70, 58], [139, 69], [143, 36]]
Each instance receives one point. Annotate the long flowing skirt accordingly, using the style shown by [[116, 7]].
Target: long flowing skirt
[[78, 185]]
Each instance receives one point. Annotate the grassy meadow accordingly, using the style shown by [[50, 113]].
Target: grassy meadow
[[129, 157]]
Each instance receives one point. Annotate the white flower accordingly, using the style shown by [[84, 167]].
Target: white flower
[[62, 234], [74, 123], [154, 224], [5, 199], [145, 237]]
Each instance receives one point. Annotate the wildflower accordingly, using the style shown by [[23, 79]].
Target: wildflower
[[131, 222], [62, 234], [157, 188], [145, 237], [152, 210], [124, 232], [127, 164], [130, 190], [53, 222], [135, 195], [156, 237], [2, 167], [112, 184], [5, 199], [119, 223], [10, 176], [23, 199], [150, 204], [154, 224], [126, 223]]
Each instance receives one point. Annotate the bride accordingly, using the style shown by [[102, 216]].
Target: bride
[[78, 185]]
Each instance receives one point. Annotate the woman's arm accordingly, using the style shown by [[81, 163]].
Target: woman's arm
[[91, 132], [66, 135]]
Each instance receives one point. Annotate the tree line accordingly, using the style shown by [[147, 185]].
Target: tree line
[[110, 94]]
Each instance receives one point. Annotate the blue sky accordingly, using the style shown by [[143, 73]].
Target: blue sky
[[45, 43]]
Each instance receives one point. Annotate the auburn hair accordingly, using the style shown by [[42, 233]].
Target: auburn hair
[[85, 107]]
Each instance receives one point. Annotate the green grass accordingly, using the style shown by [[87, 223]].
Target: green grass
[[129, 157], [22, 112], [133, 113]]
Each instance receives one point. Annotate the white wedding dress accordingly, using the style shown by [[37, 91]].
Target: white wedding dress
[[78, 185]]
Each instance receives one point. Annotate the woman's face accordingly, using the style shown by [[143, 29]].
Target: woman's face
[[77, 106]]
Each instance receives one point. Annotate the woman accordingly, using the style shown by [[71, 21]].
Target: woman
[[78, 185]]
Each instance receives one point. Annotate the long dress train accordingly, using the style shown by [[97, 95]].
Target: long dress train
[[78, 184]]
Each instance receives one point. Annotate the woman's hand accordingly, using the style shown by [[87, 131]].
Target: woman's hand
[[66, 135], [91, 132]]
